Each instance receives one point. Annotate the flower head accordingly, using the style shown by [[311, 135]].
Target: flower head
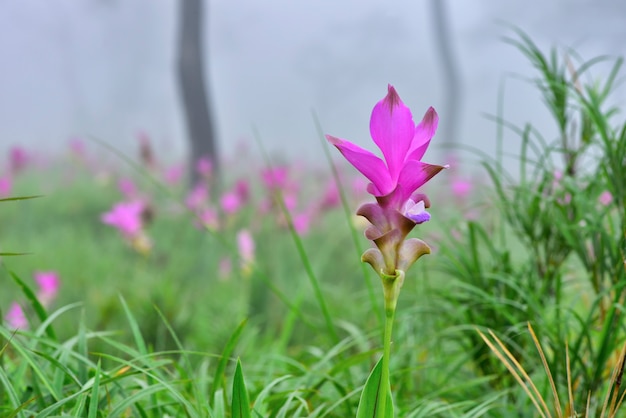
[[48, 283], [126, 217], [15, 317], [394, 182], [402, 144]]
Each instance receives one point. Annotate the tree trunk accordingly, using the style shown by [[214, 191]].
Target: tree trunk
[[191, 76]]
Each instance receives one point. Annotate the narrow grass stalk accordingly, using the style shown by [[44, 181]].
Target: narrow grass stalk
[[557, 405]]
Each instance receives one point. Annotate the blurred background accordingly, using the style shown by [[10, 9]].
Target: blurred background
[[108, 68]]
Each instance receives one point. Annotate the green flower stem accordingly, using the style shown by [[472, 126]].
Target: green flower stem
[[391, 289]]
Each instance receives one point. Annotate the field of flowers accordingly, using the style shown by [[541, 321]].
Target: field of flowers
[[125, 292]]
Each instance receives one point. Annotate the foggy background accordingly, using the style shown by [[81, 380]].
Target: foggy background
[[106, 68]]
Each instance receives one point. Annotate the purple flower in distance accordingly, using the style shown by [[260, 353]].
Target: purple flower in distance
[[48, 283]]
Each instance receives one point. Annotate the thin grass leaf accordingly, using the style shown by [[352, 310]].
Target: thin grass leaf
[[94, 404], [372, 392], [555, 394], [241, 403], [225, 357], [8, 199]]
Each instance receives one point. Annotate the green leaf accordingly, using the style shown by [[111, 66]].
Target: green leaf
[[241, 403], [221, 366], [37, 307], [93, 402], [371, 395]]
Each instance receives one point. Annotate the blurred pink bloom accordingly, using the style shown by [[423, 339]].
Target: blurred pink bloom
[[274, 178], [302, 223], [15, 317], [230, 202], [77, 148], [605, 198], [359, 186], [6, 185], [291, 201], [204, 167], [461, 188], [18, 158], [225, 268], [242, 188], [127, 188], [126, 217], [197, 197], [208, 219], [331, 197], [174, 174], [245, 245], [48, 282]]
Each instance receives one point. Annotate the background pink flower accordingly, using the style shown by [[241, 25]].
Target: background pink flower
[[126, 217], [48, 283], [15, 317]]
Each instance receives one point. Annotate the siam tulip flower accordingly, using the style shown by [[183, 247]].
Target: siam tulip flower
[[225, 269], [245, 245], [48, 283], [302, 223], [605, 198], [126, 217], [331, 197], [18, 158], [197, 197], [127, 188], [77, 148], [174, 174], [15, 317], [275, 178], [208, 218], [204, 167], [230, 202], [6, 185], [461, 188], [394, 182], [242, 188]]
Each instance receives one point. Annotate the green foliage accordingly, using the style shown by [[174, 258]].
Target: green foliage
[[161, 333]]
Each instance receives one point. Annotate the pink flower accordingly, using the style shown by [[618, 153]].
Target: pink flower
[[174, 174], [461, 188], [77, 148], [208, 219], [242, 188], [403, 145], [245, 245], [15, 317], [48, 282], [197, 197], [302, 223], [6, 185], [230, 202], [605, 198], [331, 197], [275, 178], [127, 188], [126, 217], [204, 167], [18, 158]]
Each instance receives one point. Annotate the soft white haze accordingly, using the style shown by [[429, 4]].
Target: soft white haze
[[105, 68]]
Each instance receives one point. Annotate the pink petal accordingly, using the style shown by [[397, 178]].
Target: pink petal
[[367, 163], [414, 175], [392, 129], [423, 134]]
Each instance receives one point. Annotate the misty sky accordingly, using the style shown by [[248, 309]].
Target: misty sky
[[105, 68]]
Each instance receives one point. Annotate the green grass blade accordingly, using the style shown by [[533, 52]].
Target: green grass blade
[[241, 402], [228, 349], [94, 401]]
